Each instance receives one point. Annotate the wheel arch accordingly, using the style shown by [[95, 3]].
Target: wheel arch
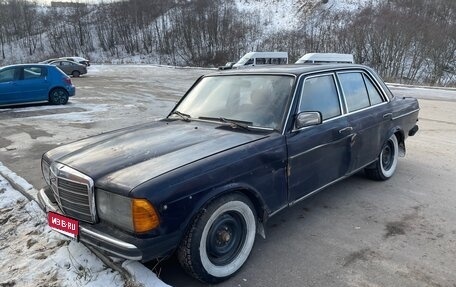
[[249, 192], [400, 135], [56, 88]]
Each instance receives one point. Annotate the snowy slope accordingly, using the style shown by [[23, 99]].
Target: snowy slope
[[283, 15]]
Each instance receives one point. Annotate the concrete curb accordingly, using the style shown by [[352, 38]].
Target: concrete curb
[[18, 183]]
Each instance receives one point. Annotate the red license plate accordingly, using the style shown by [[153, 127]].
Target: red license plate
[[63, 224]]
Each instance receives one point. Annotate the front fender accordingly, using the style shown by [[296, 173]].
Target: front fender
[[203, 198]]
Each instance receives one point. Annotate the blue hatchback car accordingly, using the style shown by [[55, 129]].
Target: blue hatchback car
[[34, 83]]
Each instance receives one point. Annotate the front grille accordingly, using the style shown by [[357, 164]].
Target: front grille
[[73, 192]]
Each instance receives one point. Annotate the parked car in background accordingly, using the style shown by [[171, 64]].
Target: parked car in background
[[239, 147], [34, 83], [79, 60], [262, 58], [326, 58], [227, 66], [70, 67], [48, 61]]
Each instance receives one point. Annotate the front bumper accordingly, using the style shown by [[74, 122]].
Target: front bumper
[[122, 245]]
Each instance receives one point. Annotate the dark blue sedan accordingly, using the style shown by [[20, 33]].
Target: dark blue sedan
[[239, 147], [34, 83]]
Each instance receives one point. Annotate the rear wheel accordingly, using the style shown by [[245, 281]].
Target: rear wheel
[[386, 164], [58, 96], [220, 239], [75, 74]]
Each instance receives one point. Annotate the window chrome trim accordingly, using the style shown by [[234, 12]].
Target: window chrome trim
[[355, 68], [296, 90], [370, 77], [335, 85]]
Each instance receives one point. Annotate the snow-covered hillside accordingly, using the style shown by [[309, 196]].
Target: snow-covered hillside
[[211, 33], [283, 15]]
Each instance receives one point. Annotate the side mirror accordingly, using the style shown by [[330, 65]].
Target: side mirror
[[306, 119]]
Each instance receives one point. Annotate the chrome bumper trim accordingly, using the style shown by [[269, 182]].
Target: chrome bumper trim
[[86, 234]]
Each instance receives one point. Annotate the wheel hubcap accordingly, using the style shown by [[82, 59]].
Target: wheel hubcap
[[58, 97], [226, 238], [388, 156]]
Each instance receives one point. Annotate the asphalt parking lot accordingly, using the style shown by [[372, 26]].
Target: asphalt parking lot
[[358, 232]]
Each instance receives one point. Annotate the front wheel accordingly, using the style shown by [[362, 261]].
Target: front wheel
[[220, 239], [386, 164]]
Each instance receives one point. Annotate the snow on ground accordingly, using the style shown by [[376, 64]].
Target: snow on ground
[[34, 255]]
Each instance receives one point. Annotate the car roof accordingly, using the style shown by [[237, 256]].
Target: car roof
[[74, 57], [295, 69], [65, 60]]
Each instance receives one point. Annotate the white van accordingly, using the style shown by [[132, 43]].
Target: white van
[[326, 58], [262, 58]]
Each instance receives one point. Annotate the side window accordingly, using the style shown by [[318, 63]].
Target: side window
[[249, 62], [260, 61], [7, 75], [374, 95], [319, 94], [33, 73], [354, 90]]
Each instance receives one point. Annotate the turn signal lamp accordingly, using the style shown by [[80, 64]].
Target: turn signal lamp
[[144, 215]]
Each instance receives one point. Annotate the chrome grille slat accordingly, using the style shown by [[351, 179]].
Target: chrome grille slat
[[73, 197], [69, 185], [83, 205], [73, 192]]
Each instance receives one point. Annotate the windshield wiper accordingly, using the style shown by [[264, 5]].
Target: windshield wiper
[[233, 123], [185, 117]]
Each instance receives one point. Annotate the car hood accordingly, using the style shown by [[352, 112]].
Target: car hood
[[122, 159]]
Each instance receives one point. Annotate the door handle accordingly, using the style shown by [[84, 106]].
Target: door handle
[[345, 130], [388, 115]]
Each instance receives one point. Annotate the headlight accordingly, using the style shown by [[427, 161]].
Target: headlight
[[131, 214], [45, 170]]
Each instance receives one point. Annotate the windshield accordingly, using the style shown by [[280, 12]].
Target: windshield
[[257, 100], [246, 60]]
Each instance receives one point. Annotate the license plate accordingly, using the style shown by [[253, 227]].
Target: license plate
[[65, 225]]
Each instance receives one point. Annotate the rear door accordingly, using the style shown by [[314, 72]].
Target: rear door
[[369, 114], [318, 155], [34, 84]]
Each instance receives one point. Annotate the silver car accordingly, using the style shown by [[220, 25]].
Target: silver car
[[70, 68]]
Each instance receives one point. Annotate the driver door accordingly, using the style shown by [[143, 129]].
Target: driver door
[[320, 154]]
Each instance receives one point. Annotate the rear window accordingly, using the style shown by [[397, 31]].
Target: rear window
[[354, 90]]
